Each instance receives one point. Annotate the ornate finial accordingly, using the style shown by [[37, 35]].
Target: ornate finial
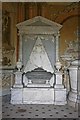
[[19, 65], [58, 65]]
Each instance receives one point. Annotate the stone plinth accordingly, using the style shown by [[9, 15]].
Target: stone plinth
[[16, 95], [59, 90], [59, 77], [18, 79], [74, 72], [60, 96]]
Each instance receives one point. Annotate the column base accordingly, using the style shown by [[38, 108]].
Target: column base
[[73, 100], [73, 104], [73, 96]]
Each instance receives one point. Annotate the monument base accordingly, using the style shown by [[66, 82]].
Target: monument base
[[38, 96]]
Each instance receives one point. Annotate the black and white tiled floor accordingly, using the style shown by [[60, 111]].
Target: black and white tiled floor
[[41, 112]]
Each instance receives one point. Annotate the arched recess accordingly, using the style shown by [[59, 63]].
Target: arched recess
[[67, 15], [68, 32], [77, 15]]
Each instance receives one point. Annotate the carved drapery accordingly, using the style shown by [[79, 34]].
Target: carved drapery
[[42, 37], [38, 58], [43, 28], [28, 42]]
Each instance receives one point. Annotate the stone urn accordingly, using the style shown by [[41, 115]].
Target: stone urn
[[58, 65], [18, 76], [19, 65]]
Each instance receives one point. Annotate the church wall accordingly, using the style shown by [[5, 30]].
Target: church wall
[[68, 32], [7, 75], [11, 8]]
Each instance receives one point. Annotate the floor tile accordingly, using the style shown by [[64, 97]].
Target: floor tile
[[35, 112]]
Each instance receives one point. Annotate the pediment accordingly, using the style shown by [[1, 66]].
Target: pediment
[[39, 21]]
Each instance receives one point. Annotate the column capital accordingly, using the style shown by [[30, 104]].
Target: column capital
[[58, 33]]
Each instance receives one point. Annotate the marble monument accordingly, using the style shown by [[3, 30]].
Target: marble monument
[[39, 78]]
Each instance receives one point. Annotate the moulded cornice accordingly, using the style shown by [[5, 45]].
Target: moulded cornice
[[39, 21]]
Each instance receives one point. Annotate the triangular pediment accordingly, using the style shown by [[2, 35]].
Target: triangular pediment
[[39, 21], [38, 58]]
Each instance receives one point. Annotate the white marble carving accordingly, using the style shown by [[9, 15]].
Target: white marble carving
[[42, 37], [18, 75], [19, 65], [25, 80], [30, 27], [39, 58], [59, 75], [39, 85], [47, 81], [66, 79], [39, 29], [52, 81]]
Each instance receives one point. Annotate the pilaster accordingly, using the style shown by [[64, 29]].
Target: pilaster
[[57, 45], [74, 94]]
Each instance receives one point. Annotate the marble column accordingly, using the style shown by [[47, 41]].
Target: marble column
[[57, 46], [66, 79], [78, 98], [74, 71], [20, 47]]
